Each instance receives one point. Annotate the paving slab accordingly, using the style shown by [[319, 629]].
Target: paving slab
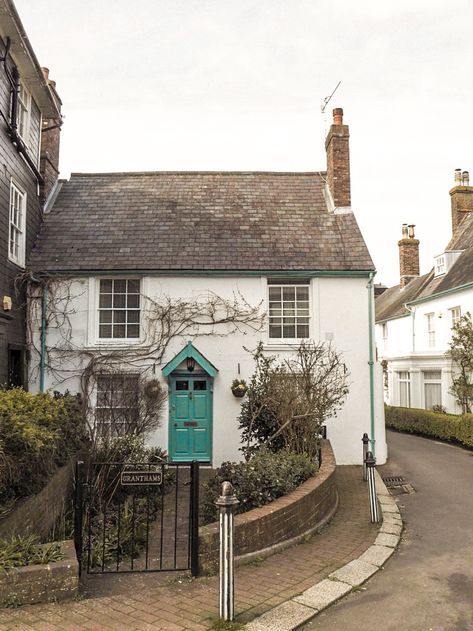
[[323, 594], [377, 555], [286, 617], [391, 528], [387, 540], [392, 518], [355, 573]]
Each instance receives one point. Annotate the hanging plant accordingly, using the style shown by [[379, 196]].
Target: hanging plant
[[153, 389], [239, 388]]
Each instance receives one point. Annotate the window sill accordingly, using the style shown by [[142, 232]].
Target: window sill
[[282, 345]]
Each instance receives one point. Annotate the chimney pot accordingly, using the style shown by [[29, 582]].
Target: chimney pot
[[458, 177], [404, 231], [465, 178], [338, 116], [411, 231]]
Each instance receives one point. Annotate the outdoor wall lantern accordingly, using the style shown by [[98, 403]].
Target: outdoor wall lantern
[[190, 364]]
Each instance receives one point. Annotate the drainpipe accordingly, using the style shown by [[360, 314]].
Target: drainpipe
[[42, 357], [369, 287], [42, 352]]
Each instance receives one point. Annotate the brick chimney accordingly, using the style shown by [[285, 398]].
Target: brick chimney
[[50, 139], [462, 198], [408, 255], [338, 161]]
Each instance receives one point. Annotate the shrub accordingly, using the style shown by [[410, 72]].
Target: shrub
[[265, 477], [38, 433], [19, 551], [428, 423]]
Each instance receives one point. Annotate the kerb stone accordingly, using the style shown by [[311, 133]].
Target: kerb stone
[[323, 594], [355, 573]]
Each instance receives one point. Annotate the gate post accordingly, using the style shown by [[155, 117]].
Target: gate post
[[374, 508], [78, 510], [194, 529], [227, 503], [365, 441]]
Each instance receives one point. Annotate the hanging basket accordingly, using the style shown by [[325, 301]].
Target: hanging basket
[[239, 388]]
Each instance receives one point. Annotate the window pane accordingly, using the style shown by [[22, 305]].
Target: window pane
[[303, 293], [303, 330], [289, 293], [133, 330], [105, 330], [106, 286], [119, 330], [433, 395], [105, 301], [134, 317], [134, 286], [275, 330], [200, 385], [133, 301], [182, 385], [119, 286], [275, 293], [289, 331], [433, 375], [119, 301], [105, 317]]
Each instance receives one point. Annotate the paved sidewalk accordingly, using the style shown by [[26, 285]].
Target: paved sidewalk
[[143, 602]]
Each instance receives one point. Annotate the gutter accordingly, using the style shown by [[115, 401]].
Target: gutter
[[217, 273], [370, 289], [446, 292]]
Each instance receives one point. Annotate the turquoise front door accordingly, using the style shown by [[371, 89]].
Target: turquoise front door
[[190, 418]]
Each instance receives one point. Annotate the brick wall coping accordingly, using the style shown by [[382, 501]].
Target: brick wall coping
[[41, 583], [284, 522]]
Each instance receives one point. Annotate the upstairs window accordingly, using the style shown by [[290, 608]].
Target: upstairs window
[[117, 405], [288, 310], [440, 265], [431, 329], [119, 308], [455, 315], [385, 335], [23, 113], [17, 229]]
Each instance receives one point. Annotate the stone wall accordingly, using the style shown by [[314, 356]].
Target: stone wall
[[41, 583], [40, 513], [284, 522]]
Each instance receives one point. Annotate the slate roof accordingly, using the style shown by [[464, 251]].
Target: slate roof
[[391, 303], [197, 221]]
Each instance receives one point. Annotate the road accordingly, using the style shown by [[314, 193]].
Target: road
[[427, 585]]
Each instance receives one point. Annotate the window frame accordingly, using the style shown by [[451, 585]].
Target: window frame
[[430, 318], [431, 381], [407, 381], [24, 104], [289, 283], [94, 338], [20, 229], [440, 265], [453, 319], [99, 425]]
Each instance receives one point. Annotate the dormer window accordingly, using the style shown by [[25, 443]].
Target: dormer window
[[445, 261], [440, 265]]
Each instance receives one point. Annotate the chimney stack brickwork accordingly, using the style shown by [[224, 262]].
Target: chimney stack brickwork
[[408, 256], [338, 161], [462, 198], [50, 141]]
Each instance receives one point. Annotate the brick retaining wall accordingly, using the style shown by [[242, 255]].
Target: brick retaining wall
[[40, 513], [284, 522]]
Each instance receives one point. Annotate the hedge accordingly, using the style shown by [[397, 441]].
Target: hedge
[[427, 423]]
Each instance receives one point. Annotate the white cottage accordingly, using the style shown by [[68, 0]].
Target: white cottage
[[414, 319], [174, 275]]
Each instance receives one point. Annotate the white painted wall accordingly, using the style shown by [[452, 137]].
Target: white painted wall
[[407, 347], [339, 312]]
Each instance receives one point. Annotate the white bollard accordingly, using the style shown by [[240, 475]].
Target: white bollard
[[227, 503], [374, 507]]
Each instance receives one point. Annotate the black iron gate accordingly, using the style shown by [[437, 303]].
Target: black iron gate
[[137, 517]]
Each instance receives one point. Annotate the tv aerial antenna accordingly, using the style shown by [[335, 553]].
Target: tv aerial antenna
[[327, 98]]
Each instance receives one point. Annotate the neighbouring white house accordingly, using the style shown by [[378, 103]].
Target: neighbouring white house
[[414, 319], [173, 276]]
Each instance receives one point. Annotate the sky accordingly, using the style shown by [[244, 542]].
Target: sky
[[157, 85]]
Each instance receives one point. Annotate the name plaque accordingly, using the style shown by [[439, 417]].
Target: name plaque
[[143, 478]]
